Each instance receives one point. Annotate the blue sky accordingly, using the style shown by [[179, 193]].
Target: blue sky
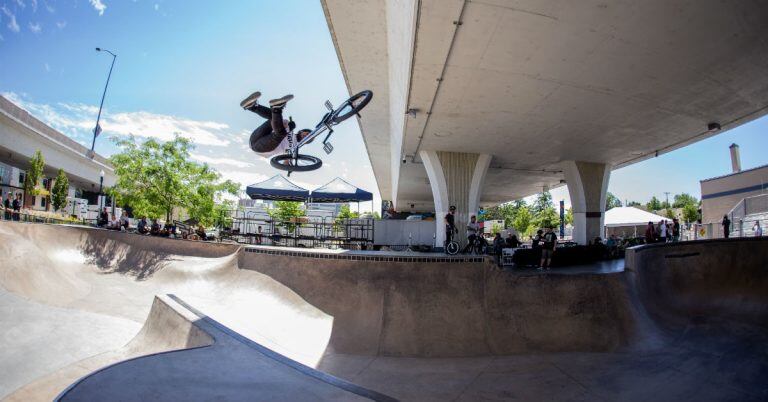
[[185, 65]]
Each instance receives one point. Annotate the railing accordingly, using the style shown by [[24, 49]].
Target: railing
[[310, 232], [746, 214]]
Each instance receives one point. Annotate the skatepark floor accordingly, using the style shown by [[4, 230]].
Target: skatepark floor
[[75, 321]]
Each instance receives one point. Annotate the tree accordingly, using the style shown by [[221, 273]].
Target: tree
[[669, 213], [611, 201], [522, 220], [634, 204], [286, 213], [569, 216], [654, 204], [681, 200], [34, 173], [60, 191], [346, 213], [547, 218], [690, 213], [154, 178], [542, 202]]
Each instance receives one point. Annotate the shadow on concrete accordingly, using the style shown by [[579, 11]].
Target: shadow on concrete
[[110, 256]]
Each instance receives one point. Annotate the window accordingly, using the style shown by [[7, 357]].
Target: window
[[45, 183], [22, 176], [2, 174], [42, 202]]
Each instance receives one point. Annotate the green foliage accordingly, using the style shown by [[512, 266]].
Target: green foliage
[[634, 204], [690, 213], [222, 216], [547, 218], [154, 178], [665, 205], [60, 190], [376, 215], [684, 199], [569, 216], [654, 204], [669, 213], [611, 201], [543, 201], [522, 220], [346, 213], [285, 211], [496, 228], [34, 173]]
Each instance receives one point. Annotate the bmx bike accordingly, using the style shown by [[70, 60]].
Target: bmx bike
[[293, 161], [479, 246]]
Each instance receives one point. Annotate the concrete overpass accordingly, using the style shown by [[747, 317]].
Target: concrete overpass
[[479, 102]]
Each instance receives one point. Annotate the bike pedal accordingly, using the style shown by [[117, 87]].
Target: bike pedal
[[328, 148]]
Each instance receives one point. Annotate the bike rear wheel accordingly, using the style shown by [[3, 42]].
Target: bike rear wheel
[[301, 163], [352, 106]]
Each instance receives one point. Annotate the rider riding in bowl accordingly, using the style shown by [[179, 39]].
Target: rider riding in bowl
[[271, 138]]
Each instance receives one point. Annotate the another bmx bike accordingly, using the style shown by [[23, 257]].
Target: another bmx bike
[[293, 161]]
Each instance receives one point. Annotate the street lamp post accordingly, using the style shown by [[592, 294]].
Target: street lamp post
[[101, 187], [97, 129]]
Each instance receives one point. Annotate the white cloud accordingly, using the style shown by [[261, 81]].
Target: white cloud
[[99, 6], [34, 5], [157, 6], [35, 28], [61, 24], [221, 161], [77, 120], [12, 24]]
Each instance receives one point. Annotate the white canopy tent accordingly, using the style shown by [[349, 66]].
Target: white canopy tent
[[627, 220]]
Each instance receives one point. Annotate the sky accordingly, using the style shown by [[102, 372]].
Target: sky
[[184, 66]]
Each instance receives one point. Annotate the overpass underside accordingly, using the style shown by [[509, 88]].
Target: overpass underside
[[542, 92]]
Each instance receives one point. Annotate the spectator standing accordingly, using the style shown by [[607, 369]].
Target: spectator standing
[[512, 241], [16, 206], [498, 245], [726, 227], [757, 229], [650, 233], [103, 218], [663, 231], [472, 228], [7, 205], [258, 235], [550, 242], [675, 230]]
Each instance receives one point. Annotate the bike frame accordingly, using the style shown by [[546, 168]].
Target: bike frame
[[324, 126]]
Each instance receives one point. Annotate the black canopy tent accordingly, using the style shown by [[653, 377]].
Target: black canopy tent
[[277, 188], [338, 190]]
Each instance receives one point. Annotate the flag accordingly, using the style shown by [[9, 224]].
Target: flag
[[97, 130]]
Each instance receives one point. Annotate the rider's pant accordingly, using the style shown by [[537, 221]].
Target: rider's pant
[[270, 134]]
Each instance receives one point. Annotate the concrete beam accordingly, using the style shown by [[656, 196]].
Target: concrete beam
[[588, 186]]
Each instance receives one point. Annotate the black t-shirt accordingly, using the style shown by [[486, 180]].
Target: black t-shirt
[[449, 220], [549, 240]]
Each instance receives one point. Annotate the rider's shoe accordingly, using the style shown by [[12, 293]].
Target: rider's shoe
[[280, 102], [251, 100]]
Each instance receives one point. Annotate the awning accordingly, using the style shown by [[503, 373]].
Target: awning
[[338, 190], [277, 188]]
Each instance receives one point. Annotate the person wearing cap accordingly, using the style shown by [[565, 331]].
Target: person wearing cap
[[550, 242], [271, 138], [450, 224]]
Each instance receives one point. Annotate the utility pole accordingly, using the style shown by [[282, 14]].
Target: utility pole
[[667, 194]]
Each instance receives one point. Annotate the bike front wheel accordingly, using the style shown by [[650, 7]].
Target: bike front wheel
[[352, 106], [301, 163], [452, 248]]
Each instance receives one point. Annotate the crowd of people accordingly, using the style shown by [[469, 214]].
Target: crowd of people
[[12, 207], [144, 227], [663, 232]]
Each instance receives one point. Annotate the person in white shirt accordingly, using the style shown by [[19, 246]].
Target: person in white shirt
[[114, 223], [757, 229], [472, 228], [272, 137]]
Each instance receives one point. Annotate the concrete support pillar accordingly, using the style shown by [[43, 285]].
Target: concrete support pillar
[[588, 186], [456, 179]]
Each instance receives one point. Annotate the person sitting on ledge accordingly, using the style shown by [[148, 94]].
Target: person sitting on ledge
[[142, 226], [154, 230]]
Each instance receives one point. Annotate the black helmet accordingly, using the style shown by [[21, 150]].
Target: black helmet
[[452, 208]]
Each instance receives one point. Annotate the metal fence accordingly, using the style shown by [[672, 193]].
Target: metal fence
[[308, 232]]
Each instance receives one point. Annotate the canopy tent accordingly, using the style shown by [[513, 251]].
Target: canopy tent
[[630, 216], [277, 188], [625, 221], [338, 190]]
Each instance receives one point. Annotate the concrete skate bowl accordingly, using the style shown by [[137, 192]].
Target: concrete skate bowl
[[420, 330]]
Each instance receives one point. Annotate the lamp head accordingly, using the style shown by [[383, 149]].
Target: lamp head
[[98, 49], [101, 173]]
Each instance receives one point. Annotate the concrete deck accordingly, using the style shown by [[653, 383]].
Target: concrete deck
[[249, 325]]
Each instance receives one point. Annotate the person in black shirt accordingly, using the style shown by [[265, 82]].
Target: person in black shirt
[[142, 226], [726, 226], [450, 224], [103, 218], [512, 241], [7, 204], [16, 205], [550, 241], [675, 230]]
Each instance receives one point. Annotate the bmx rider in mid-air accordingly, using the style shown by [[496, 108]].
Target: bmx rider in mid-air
[[271, 138]]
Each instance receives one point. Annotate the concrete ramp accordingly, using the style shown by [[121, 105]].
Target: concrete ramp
[[262, 320]]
